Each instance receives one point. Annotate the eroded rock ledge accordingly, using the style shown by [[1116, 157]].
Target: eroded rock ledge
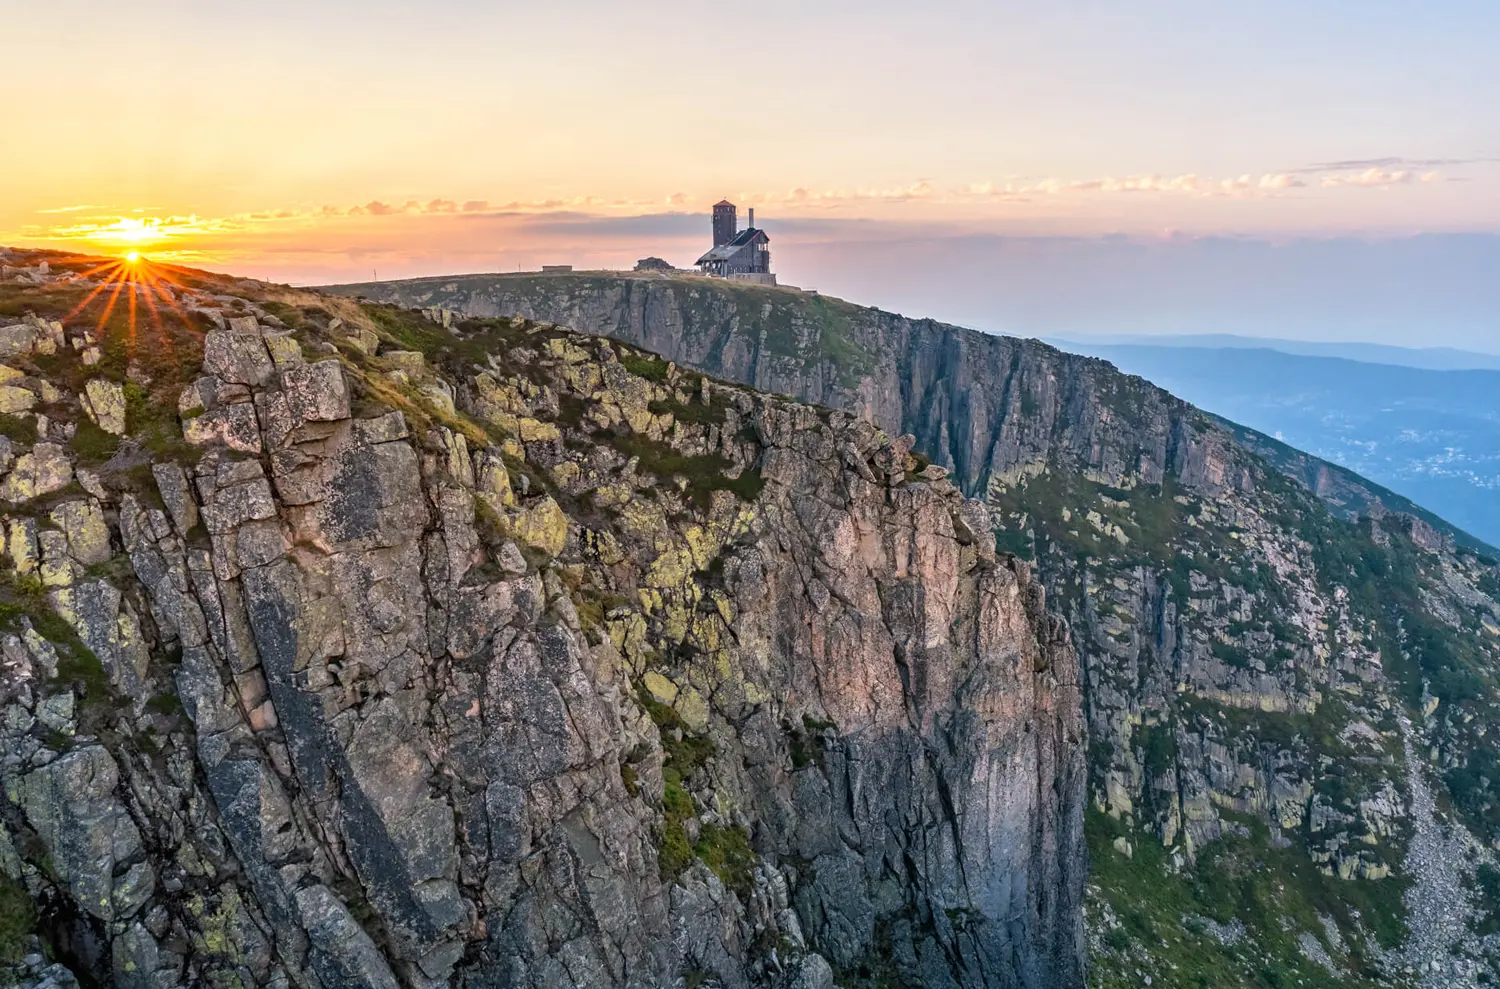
[[509, 656]]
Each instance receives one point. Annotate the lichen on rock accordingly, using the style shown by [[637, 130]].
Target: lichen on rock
[[528, 669]]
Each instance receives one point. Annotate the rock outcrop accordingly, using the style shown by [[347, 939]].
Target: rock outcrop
[[342, 649], [1252, 623]]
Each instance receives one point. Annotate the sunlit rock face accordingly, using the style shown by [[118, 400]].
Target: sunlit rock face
[[347, 649], [1263, 636]]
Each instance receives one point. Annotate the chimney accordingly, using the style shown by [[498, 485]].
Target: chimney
[[752, 218]]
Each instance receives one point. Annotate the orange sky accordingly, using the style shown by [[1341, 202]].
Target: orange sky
[[314, 140]]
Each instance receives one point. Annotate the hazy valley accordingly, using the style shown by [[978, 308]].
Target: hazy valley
[[1433, 435]]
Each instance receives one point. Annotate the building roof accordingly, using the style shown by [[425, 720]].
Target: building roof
[[742, 240], [723, 202]]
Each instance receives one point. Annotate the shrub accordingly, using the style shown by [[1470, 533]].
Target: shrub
[[704, 474], [692, 413], [77, 665], [646, 366], [92, 444], [726, 850], [17, 429]]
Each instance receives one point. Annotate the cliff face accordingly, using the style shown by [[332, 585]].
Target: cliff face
[[1281, 661], [344, 649], [988, 407]]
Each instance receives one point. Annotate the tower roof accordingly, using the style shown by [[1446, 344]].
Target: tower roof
[[722, 202]]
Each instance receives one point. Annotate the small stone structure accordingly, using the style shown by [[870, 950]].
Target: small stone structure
[[744, 255]]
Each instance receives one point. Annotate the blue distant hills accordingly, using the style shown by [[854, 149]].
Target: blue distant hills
[[1423, 422], [1425, 358]]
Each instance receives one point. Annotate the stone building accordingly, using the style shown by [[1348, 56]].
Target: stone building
[[744, 255]]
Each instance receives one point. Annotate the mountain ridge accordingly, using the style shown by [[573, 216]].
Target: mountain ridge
[[423, 291], [353, 643], [1264, 642], [1417, 358], [343, 648]]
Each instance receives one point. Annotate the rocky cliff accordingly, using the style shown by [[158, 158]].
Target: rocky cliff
[[1289, 672], [343, 646]]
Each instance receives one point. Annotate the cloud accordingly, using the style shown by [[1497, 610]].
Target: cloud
[[591, 227], [1384, 173], [1365, 164], [1142, 183], [922, 189], [1189, 183], [134, 231], [672, 207], [1281, 180], [1372, 178], [1244, 186]]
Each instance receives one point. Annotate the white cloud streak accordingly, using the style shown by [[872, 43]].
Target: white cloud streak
[[1374, 178]]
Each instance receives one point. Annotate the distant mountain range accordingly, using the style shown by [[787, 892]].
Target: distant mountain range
[[1430, 434], [1427, 358]]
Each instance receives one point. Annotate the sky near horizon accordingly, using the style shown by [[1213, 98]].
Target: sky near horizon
[[325, 140]]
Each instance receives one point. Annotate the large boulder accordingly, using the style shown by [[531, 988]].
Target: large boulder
[[72, 805], [44, 470], [104, 400], [17, 340], [14, 399], [238, 356]]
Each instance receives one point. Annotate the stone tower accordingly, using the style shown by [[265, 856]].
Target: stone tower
[[726, 224]]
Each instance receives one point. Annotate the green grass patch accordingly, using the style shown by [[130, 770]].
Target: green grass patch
[[408, 329], [1014, 542], [704, 474], [804, 741], [17, 920], [675, 853], [296, 317], [593, 605], [804, 327], [93, 445], [726, 850], [647, 366], [17, 429], [693, 413], [684, 755], [169, 705], [1277, 893], [77, 665], [151, 417]]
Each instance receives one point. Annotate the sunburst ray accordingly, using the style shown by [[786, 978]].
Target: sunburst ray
[[110, 308], [130, 334], [118, 274]]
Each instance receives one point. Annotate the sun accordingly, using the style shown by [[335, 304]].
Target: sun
[[133, 256]]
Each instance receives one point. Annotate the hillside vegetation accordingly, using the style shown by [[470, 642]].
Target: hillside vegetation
[[347, 645], [1289, 672]]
